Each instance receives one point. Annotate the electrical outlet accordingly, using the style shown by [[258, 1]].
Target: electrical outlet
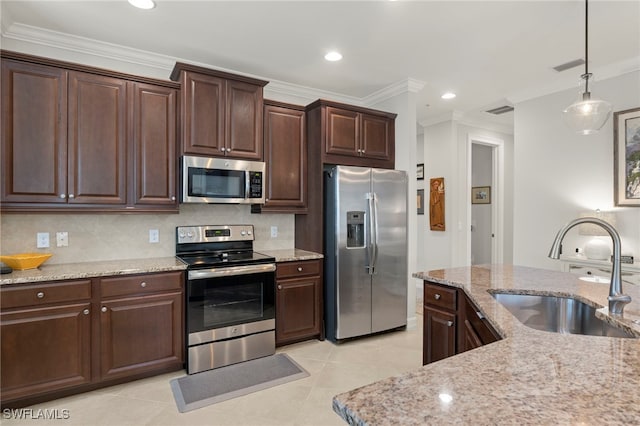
[[274, 232], [42, 239], [62, 239], [154, 236]]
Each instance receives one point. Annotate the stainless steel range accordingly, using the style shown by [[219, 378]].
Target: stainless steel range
[[230, 296]]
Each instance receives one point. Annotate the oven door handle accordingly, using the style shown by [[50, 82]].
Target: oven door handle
[[230, 271]]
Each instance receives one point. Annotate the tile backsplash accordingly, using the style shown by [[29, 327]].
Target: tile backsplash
[[94, 237]]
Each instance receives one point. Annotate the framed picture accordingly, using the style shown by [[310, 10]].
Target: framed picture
[[626, 157], [436, 204], [481, 195], [420, 201], [420, 172]]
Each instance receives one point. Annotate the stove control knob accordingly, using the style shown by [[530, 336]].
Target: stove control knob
[[243, 233], [190, 234], [181, 235]]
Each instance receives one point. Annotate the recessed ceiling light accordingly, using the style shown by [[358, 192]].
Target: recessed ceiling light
[[448, 95], [333, 56], [143, 4]]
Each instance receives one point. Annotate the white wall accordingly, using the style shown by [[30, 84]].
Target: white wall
[[559, 174], [446, 153]]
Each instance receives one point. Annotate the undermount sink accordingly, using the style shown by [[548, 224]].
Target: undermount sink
[[558, 314]]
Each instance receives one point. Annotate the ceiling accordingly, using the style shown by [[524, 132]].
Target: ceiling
[[489, 53]]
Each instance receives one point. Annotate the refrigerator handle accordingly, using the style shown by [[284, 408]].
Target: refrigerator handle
[[371, 232], [374, 240]]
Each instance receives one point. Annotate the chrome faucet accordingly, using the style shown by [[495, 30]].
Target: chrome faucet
[[617, 300]]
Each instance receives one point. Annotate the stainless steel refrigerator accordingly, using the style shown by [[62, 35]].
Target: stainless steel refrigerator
[[365, 250]]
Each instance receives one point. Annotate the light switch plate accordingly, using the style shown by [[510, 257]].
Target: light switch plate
[[154, 236], [42, 239], [62, 239], [274, 232]]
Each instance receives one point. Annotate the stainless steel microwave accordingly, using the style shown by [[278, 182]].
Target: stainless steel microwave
[[220, 180]]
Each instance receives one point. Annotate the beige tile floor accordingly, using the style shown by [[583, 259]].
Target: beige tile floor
[[333, 369]]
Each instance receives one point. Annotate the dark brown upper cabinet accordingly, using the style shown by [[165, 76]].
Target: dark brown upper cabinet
[[285, 155], [353, 135], [221, 113], [85, 139]]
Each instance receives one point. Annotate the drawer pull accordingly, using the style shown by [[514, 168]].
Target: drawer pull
[[279, 287], [143, 284], [480, 315], [437, 296], [86, 312], [40, 295], [104, 309], [299, 268], [449, 323]]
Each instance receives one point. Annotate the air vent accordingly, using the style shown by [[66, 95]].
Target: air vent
[[501, 110], [569, 65]]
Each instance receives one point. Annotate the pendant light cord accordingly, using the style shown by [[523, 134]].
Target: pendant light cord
[[586, 46]]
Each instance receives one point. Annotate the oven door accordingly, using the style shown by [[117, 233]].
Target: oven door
[[220, 298]]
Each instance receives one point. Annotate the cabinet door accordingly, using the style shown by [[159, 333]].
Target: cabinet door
[[154, 141], [342, 132], [439, 335], [377, 139], [285, 155], [203, 112], [45, 349], [243, 125], [471, 339], [97, 139], [34, 133], [297, 309], [140, 334]]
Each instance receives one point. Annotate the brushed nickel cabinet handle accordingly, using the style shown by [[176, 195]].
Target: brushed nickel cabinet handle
[[279, 287], [40, 295], [143, 284], [104, 309], [449, 323], [437, 296], [86, 312], [299, 268], [480, 315], [63, 196]]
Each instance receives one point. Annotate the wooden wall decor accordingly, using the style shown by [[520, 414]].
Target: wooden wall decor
[[436, 204]]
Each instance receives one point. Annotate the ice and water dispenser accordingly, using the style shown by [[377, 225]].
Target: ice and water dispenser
[[355, 229]]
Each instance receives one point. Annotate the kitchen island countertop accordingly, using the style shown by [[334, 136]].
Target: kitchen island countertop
[[528, 377]]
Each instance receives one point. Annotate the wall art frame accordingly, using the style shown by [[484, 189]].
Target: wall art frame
[[481, 195], [626, 157]]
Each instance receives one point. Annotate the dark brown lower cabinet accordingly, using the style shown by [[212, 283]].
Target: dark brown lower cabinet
[[140, 334], [298, 301], [439, 335], [65, 337], [452, 323], [45, 349]]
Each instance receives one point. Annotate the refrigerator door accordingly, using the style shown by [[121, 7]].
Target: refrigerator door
[[352, 244], [389, 281]]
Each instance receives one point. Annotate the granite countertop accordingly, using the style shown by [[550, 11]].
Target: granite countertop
[[290, 255], [66, 271], [530, 376]]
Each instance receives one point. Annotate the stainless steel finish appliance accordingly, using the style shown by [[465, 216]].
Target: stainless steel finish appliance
[[221, 180], [365, 250], [230, 296]]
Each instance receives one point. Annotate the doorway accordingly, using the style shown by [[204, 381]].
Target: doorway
[[485, 208]]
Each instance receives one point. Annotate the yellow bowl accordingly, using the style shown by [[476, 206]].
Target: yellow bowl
[[25, 260]]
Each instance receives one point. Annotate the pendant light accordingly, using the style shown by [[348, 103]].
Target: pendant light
[[587, 115]]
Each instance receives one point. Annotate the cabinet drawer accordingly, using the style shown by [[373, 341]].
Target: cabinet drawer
[[46, 293], [137, 284], [297, 269], [442, 297]]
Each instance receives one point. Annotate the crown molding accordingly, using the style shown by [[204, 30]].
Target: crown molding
[[308, 94], [410, 85], [458, 117]]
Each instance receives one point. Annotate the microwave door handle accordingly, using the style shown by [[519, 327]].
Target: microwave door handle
[[247, 184]]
